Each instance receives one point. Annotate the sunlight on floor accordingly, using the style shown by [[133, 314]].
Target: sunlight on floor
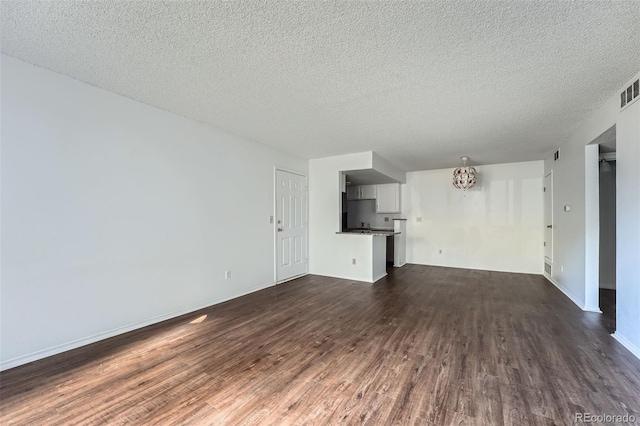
[[199, 319]]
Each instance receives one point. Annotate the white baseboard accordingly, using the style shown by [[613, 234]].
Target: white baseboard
[[571, 297], [343, 278], [354, 279], [399, 266], [44, 353], [627, 344], [595, 309], [478, 268], [292, 278], [379, 277]]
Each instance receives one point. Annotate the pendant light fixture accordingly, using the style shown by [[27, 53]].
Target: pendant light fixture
[[464, 177]]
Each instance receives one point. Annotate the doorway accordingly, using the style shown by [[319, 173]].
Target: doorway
[[600, 198], [607, 245], [291, 227]]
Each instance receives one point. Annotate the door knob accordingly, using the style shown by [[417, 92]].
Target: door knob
[[279, 229], [549, 226]]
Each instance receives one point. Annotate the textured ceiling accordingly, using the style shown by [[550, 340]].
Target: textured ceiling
[[420, 83]]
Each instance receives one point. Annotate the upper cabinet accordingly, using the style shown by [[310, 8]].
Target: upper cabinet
[[368, 192], [361, 192], [388, 198], [353, 192]]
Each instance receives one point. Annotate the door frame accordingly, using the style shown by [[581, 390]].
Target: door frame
[[550, 174], [275, 227], [592, 228]]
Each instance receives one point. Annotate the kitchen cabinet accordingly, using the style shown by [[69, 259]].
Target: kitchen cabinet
[[368, 192], [388, 198], [353, 192], [361, 192]]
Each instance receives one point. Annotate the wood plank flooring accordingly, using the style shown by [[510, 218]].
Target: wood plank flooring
[[608, 308], [425, 345]]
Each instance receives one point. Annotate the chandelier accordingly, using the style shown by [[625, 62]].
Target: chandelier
[[464, 177]]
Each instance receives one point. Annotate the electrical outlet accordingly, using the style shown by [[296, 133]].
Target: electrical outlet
[[386, 219], [227, 275], [561, 268], [419, 219], [353, 261], [270, 219]]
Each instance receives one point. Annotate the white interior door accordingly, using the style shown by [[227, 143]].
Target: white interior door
[[548, 218], [291, 225]]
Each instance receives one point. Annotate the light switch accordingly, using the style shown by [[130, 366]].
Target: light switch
[[567, 208]]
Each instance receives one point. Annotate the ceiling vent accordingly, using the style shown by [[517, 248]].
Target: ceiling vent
[[630, 94]]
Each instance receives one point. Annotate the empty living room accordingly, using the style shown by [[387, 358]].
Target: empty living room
[[319, 212]]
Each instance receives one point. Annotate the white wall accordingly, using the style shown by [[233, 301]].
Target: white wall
[[608, 228], [379, 257], [330, 253], [570, 228], [116, 214], [628, 227], [497, 225]]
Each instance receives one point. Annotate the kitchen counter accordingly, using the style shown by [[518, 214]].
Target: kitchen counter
[[374, 232], [370, 254]]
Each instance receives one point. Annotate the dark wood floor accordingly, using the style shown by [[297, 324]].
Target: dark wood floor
[[608, 308], [425, 345]]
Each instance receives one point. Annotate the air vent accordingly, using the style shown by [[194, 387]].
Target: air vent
[[630, 94], [556, 155], [547, 268]]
